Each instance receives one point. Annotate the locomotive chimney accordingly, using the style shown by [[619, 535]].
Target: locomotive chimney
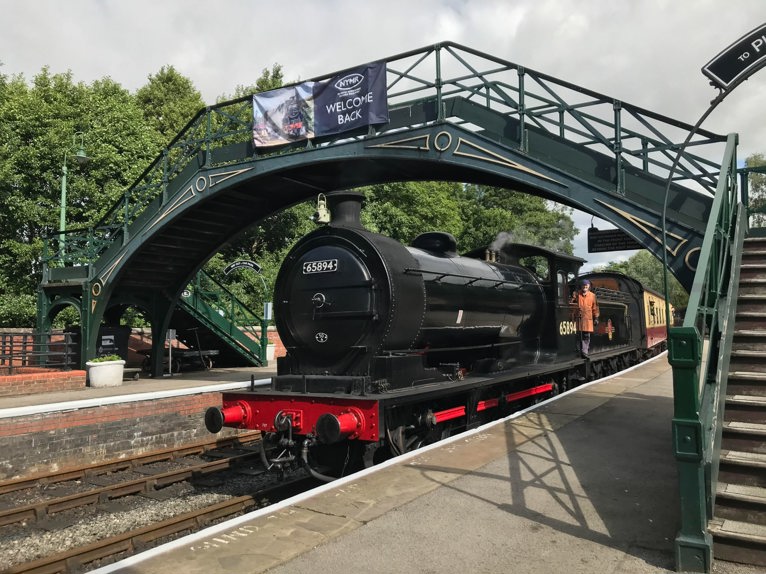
[[346, 207]]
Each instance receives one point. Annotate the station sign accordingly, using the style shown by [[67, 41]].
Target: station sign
[[739, 60], [600, 241], [242, 264]]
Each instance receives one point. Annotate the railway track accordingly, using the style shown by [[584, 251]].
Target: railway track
[[46, 505], [101, 483], [139, 539]]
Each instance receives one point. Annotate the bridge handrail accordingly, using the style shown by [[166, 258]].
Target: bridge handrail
[[699, 357], [221, 134], [237, 314]]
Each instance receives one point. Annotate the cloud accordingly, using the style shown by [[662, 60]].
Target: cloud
[[647, 53]]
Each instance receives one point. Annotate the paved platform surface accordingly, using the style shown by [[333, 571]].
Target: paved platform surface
[[583, 484]]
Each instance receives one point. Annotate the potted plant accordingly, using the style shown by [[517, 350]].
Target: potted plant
[[105, 371]]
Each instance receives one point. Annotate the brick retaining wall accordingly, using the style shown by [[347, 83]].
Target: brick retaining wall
[[54, 441], [29, 380]]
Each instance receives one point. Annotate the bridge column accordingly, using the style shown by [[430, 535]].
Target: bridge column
[[162, 311], [694, 544], [92, 306]]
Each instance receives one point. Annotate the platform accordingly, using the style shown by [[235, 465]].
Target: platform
[[144, 384], [584, 483]]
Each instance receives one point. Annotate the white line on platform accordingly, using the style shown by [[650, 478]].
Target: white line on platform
[[129, 398]]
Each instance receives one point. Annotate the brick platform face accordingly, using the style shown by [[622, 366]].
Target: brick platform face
[[30, 380], [49, 442]]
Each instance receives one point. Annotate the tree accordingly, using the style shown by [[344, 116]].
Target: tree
[[39, 123], [403, 210], [268, 80], [757, 190], [169, 100], [647, 269], [528, 219]]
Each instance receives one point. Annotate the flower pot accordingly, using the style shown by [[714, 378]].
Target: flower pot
[[105, 373]]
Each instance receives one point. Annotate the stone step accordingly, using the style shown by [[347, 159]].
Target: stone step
[[751, 271], [746, 400], [747, 428], [743, 468], [749, 360], [738, 541], [751, 302], [749, 340], [740, 502], [750, 320], [738, 436], [747, 375], [739, 458], [751, 286], [749, 354]]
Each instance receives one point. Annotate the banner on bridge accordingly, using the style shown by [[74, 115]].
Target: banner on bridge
[[351, 100]]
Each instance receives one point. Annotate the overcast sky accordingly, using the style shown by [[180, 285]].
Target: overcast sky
[[645, 52]]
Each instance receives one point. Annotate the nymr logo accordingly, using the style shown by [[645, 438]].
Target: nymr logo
[[349, 82]]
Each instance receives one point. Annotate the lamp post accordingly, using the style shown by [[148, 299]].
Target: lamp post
[[82, 159]]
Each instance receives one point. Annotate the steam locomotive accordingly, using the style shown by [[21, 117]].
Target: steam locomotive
[[391, 347]]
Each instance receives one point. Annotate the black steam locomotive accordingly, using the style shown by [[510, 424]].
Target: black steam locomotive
[[391, 347]]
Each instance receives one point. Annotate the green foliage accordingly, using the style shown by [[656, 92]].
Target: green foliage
[[406, 209], [39, 127], [527, 218], [269, 80], [757, 190], [169, 101], [647, 269], [106, 358], [17, 310]]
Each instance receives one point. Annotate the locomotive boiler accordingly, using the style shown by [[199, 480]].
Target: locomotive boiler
[[390, 346]]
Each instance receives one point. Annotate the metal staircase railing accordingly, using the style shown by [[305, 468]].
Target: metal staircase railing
[[230, 319], [698, 353]]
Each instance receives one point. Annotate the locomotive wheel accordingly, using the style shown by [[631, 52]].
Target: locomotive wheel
[[400, 443], [338, 459]]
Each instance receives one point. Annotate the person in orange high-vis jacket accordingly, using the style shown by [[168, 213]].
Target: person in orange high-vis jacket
[[586, 301]]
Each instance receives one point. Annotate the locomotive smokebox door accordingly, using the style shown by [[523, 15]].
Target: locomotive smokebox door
[[331, 299]]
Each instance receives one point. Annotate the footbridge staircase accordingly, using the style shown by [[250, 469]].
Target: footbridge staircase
[[209, 316], [719, 376]]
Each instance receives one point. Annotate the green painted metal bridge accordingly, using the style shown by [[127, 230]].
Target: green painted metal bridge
[[458, 115]]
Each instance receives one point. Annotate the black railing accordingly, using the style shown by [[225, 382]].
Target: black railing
[[19, 350]]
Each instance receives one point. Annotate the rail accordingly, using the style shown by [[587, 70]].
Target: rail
[[449, 78], [19, 350], [699, 357]]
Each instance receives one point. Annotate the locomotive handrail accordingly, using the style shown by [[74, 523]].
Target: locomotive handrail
[[699, 357], [472, 279]]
